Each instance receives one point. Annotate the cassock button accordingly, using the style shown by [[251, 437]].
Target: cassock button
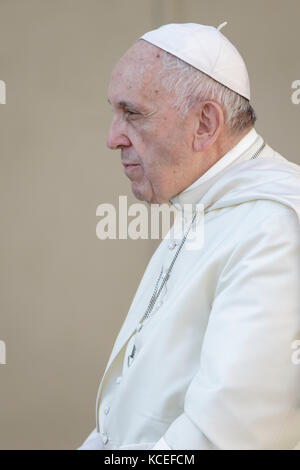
[[130, 360], [106, 410], [172, 245], [139, 327], [105, 438]]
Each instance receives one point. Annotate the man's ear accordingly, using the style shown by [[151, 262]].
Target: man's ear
[[210, 121]]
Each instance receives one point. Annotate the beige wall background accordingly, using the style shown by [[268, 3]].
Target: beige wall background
[[63, 293]]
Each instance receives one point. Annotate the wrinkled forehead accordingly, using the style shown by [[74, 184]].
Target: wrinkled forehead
[[136, 73]]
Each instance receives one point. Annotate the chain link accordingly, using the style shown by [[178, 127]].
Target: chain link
[[157, 291]]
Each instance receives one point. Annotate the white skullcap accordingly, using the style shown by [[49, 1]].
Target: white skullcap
[[205, 48]]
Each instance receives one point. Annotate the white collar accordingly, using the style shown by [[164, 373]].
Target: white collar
[[236, 154], [229, 157]]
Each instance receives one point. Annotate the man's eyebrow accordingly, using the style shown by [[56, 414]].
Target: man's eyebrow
[[135, 108], [125, 104]]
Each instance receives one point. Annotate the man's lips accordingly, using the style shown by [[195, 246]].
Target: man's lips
[[129, 164], [129, 167]]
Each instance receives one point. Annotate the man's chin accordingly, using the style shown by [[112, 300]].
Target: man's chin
[[145, 196], [141, 193]]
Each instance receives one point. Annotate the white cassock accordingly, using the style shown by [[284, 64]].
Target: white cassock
[[215, 366]]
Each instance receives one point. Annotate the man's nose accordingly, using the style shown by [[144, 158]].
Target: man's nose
[[116, 137]]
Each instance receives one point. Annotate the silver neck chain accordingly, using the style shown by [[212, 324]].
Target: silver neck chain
[[166, 276], [157, 290]]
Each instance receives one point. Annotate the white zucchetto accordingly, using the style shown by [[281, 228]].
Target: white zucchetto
[[206, 49]]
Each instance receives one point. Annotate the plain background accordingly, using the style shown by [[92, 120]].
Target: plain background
[[64, 293]]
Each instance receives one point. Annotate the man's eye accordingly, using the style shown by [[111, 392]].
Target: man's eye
[[130, 113]]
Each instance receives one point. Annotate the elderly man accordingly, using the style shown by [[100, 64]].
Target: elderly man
[[204, 359]]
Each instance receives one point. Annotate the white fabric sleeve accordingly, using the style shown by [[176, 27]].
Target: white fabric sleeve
[[245, 394], [93, 442]]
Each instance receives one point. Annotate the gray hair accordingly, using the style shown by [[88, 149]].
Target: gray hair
[[190, 85]]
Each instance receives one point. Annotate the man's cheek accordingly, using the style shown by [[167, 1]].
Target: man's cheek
[[139, 139]]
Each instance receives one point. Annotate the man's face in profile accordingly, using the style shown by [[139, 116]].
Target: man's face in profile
[[153, 138]]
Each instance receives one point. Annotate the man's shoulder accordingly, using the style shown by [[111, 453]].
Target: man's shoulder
[[263, 221], [278, 161], [270, 220]]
